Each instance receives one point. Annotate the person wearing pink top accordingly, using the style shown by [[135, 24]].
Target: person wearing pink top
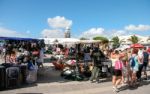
[[117, 75]]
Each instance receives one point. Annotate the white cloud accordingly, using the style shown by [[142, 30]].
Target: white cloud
[[10, 33], [137, 28], [59, 22], [52, 33], [93, 32], [57, 26], [119, 32]]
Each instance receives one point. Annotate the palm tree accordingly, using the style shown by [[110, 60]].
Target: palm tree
[[104, 41], [82, 38], [134, 39], [116, 42]]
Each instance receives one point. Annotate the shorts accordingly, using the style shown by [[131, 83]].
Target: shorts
[[113, 71], [118, 72], [145, 66], [134, 70]]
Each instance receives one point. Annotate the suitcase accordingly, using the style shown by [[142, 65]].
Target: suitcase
[[2, 77], [12, 77], [23, 69], [7, 65]]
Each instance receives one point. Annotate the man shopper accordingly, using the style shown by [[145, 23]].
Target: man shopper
[[97, 57], [145, 62]]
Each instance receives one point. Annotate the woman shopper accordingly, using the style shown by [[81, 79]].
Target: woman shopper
[[87, 56], [134, 65], [113, 57], [117, 76], [125, 76], [129, 74]]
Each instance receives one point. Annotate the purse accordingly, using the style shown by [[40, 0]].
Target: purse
[[35, 53]]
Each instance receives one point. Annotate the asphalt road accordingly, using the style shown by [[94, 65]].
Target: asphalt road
[[50, 82], [74, 87]]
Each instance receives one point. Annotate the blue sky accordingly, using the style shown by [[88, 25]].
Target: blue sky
[[86, 18]]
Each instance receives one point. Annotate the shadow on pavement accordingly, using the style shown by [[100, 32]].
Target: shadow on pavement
[[29, 93], [18, 87], [48, 75], [140, 84]]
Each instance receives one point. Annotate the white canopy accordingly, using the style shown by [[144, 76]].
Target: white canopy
[[90, 41], [61, 40], [123, 47]]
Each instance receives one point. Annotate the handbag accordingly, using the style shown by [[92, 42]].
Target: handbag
[[35, 53]]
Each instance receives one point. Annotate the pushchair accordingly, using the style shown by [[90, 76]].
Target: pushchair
[[105, 69]]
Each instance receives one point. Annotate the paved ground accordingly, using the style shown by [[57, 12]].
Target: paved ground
[[50, 82], [75, 88]]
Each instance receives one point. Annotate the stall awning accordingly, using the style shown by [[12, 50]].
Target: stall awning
[[16, 38]]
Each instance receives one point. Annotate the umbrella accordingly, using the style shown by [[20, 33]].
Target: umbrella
[[137, 46], [148, 50]]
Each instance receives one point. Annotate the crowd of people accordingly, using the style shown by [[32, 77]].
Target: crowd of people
[[24, 52], [128, 65], [16, 51]]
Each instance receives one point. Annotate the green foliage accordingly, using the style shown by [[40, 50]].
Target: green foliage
[[103, 39], [116, 42], [82, 38], [134, 39], [48, 52]]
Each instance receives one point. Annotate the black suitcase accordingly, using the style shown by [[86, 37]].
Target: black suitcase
[[7, 65], [23, 69], [2, 77], [12, 77]]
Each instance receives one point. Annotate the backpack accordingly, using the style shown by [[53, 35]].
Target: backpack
[[132, 62], [146, 57], [118, 65], [71, 51], [87, 50]]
